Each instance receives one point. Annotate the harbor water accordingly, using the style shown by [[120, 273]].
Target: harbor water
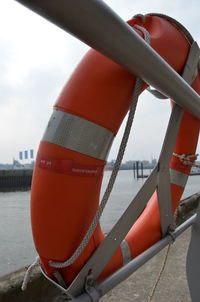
[[16, 244]]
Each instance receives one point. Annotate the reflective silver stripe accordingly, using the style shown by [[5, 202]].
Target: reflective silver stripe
[[178, 178], [78, 134], [126, 253]]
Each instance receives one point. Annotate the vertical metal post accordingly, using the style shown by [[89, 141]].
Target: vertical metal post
[[163, 187], [137, 169], [192, 262], [142, 174], [134, 169]]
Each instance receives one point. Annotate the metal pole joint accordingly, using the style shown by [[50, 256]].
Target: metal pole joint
[[90, 288]]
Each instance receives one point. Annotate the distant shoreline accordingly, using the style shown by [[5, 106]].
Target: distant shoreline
[[20, 179], [14, 180]]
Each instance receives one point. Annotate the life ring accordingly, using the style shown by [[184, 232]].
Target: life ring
[[69, 167]]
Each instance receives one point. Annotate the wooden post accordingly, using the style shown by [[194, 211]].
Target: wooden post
[[142, 174], [137, 169]]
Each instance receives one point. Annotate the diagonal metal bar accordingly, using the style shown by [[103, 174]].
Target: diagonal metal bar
[[125, 271], [191, 67], [164, 200], [137, 262], [93, 22], [164, 189], [104, 252]]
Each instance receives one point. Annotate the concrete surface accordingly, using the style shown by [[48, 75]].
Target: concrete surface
[[38, 289], [172, 286]]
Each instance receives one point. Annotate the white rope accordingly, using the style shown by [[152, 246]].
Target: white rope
[[29, 273], [186, 159], [85, 240], [141, 17], [159, 274]]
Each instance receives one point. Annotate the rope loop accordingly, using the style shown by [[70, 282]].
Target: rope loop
[[187, 160], [29, 273], [141, 17]]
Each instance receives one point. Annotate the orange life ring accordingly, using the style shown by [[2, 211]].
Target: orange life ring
[[68, 173]]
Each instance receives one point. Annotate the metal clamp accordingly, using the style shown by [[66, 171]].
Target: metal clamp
[[171, 233], [62, 287], [90, 288], [190, 70]]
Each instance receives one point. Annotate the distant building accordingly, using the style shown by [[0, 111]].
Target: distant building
[[16, 165]]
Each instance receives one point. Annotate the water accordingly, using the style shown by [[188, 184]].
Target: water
[[16, 244]]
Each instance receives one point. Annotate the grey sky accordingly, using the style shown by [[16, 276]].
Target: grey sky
[[37, 58]]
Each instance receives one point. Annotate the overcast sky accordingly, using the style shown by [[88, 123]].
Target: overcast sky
[[37, 58]]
